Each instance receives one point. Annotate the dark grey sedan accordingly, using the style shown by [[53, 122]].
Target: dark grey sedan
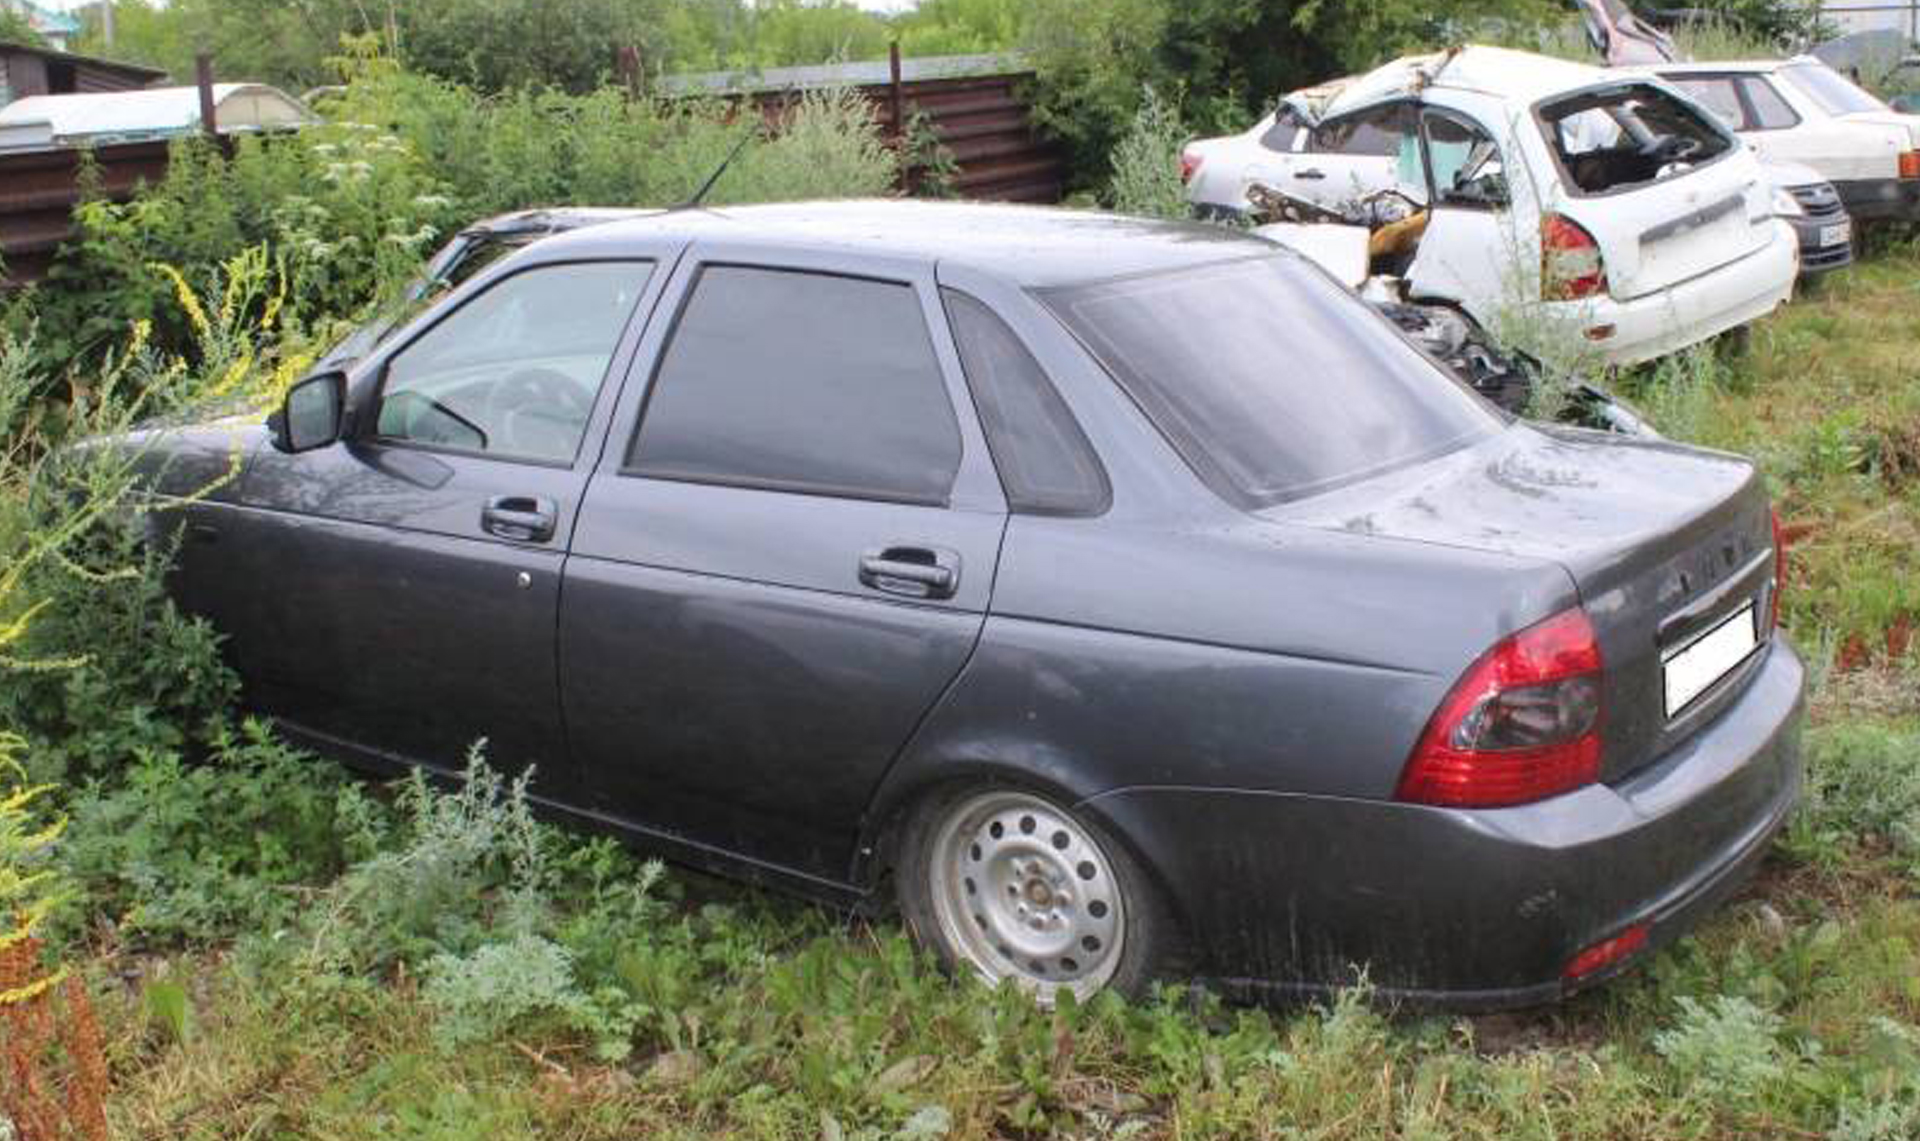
[[1115, 596]]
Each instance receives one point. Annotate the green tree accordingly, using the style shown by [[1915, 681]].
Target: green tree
[[14, 28]]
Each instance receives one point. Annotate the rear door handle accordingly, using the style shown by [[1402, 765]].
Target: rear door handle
[[521, 518], [911, 572], [1311, 174]]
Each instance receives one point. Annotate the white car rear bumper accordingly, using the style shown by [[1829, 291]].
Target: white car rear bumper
[[1630, 332]]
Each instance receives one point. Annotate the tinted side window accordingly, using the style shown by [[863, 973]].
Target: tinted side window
[[1771, 112], [1284, 133], [801, 382], [1378, 131], [1716, 93], [514, 371], [1046, 464]]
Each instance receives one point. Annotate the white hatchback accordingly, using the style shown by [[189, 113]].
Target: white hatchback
[[1800, 110], [1611, 203]]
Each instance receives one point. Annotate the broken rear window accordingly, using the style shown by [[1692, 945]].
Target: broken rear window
[[1619, 138]]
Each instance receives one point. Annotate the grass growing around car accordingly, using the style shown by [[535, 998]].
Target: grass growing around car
[[278, 949]]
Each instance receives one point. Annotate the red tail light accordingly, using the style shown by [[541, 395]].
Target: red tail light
[[1606, 953], [1910, 164], [1570, 263], [1522, 724], [1779, 573], [1190, 165]]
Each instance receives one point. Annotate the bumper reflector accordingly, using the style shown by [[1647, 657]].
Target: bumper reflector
[[1606, 953]]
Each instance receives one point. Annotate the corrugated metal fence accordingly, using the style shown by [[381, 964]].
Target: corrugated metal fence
[[974, 105], [39, 189]]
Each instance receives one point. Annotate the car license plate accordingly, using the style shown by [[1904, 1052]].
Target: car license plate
[[1692, 669], [1837, 234]]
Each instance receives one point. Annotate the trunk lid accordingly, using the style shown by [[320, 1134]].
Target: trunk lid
[[1909, 125], [1663, 542], [1658, 221]]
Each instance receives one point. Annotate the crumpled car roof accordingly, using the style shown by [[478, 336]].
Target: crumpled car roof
[[1504, 72]]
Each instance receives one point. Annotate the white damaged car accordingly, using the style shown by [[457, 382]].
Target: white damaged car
[[1486, 178]]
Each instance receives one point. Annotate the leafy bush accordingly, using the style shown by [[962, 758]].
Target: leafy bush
[[174, 851], [456, 864], [1726, 1049], [1863, 782], [1146, 163]]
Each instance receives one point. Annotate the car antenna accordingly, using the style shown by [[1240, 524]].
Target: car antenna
[[693, 203], [700, 195]]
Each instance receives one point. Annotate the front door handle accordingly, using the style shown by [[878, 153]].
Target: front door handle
[[911, 572], [1311, 174], [521, 518]]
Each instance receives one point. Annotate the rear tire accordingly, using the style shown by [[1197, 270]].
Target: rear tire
[[1004, 883]]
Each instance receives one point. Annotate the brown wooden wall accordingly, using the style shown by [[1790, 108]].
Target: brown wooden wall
[[39, 189]]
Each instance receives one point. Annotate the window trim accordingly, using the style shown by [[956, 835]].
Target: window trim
[[1549, 138], [370, 433], [625, 468]]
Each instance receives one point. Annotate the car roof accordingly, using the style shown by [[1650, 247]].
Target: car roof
[[1709, 66], [1035, 246], [1502, 72]]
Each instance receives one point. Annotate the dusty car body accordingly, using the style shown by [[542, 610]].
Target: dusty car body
[[1802, 111], [1612, 206], [971, 558]]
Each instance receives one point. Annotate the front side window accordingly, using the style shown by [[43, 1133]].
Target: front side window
[[797, 381], [515, 371], [1465, 164], [1829, 90], [1271, 381], [1632, 135]]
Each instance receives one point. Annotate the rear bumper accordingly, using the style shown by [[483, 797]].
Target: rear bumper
[[1693, 311], [1815, 257], [1288, 894], [1881, 199]]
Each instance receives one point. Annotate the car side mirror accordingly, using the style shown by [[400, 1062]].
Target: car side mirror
[[312, 415]]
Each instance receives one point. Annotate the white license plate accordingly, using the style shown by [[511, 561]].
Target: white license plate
[[1692, 669], [1837, 234]]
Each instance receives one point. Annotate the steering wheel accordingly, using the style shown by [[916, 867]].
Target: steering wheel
[[534, 404], [1672, 148]]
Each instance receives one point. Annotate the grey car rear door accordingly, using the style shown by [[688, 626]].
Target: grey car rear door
[[784, 558], [396, 592]]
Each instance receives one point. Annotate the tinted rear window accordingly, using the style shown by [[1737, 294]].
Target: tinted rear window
[[1271, 381], [1618, 138]]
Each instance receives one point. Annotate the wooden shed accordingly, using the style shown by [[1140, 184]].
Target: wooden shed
[[26, 71]]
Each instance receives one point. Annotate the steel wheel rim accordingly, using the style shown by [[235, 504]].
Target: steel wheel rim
[[1024, 892]]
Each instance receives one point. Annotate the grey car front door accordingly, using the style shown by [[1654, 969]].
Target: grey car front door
[[778, 572], [396, 592]]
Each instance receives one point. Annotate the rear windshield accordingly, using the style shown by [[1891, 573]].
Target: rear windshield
[[1271, 381], [1633, 135], [1829, 90]]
